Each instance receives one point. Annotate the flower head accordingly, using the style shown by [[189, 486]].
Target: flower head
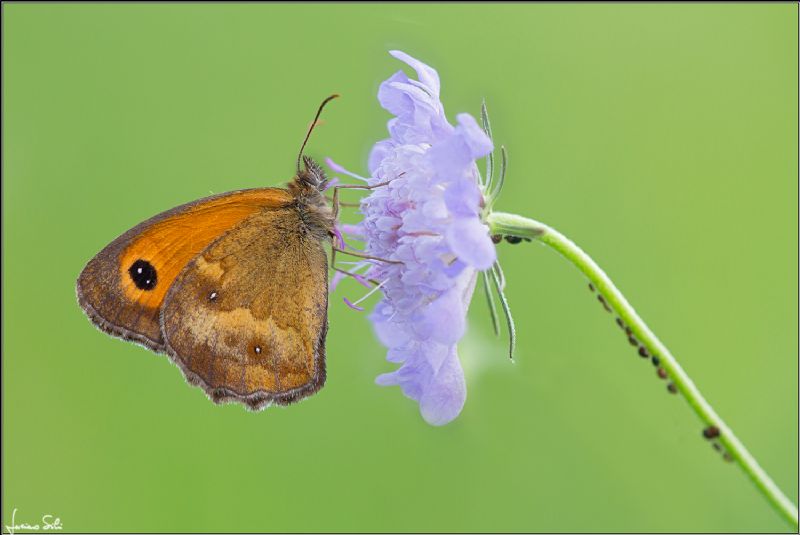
[[425, 213]]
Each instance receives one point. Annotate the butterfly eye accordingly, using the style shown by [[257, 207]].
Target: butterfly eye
[[143, 274]]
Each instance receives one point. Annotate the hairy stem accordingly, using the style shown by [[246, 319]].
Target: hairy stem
[[514, 225]]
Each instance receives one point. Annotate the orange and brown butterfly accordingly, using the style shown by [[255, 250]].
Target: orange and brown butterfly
[[234, 288]]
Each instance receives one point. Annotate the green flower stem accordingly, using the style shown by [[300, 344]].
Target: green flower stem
[[514, 225]]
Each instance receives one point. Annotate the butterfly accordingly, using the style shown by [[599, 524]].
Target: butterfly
[[233, 288]]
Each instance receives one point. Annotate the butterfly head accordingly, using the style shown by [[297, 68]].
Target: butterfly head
[[309, 183], [312, 177]]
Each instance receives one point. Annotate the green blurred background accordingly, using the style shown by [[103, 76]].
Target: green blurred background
[[661, 138]]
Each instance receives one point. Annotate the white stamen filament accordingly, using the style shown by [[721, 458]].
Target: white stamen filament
[[356, 265], [372, 291]]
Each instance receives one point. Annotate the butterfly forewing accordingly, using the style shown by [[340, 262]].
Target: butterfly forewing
[[122, 289]]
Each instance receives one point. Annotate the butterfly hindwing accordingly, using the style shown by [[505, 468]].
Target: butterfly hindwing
[[246, 319], [122, 289]]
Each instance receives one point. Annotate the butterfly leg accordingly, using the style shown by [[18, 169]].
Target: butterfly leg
[[356, 276], [336, 204], [336, 189], [365, 256], [344, 204]]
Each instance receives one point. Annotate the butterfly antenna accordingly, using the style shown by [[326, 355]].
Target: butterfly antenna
[[311, 129]]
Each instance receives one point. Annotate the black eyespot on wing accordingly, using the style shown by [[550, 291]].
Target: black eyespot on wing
[[143, 274]]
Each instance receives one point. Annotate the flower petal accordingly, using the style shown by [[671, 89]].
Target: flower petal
[[443, 320], [444, 397], [476, 139], [393, 99], [389, 333], [463, 198], [470, 241], [380, 151], [427, 75]]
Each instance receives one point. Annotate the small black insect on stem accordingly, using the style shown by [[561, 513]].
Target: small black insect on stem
[[641, 350], [712, 434], [497, 238]]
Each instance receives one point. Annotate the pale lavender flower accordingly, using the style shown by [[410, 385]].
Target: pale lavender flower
[[427, 216]]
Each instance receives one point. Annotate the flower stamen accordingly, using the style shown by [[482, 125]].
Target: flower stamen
[[354, 304], [366, 256], [339, 169]]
